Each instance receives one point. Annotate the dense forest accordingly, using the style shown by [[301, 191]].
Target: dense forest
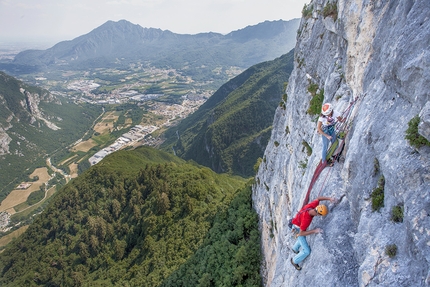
[[230, 131], [141, 218]]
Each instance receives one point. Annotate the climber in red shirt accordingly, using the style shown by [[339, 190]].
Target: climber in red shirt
[[301, 223]]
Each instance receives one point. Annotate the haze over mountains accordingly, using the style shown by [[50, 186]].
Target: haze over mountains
[[116, 44], [120, 44]]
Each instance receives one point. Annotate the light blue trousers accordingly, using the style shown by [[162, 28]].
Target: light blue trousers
[[305, 249], [326, 143]]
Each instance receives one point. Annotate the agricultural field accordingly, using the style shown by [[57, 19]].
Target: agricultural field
[[19, 196], [11, 236], [106, 125]]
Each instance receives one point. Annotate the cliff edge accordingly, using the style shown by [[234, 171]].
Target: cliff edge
[[379, 52]]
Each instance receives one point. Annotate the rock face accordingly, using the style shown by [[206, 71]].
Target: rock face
[[379, 52], [19, 105], [4, 142], [424, 125], [31, 103]]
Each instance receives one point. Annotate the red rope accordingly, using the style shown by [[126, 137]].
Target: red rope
[[328, 173], [317, 172], [324, 182]]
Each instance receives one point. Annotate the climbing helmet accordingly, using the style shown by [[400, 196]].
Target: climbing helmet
[[326, 109], [322, 209]]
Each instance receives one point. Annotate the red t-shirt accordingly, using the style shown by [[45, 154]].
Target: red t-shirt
[[303, 219]]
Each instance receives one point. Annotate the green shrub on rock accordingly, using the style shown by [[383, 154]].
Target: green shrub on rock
[[307, 11], [330, 10], [397, 213], [391, 250], [377, 195], [414, 138]]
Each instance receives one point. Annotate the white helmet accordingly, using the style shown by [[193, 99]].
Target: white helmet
[[326, 109]]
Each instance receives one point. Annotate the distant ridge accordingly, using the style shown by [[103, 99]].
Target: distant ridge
[[121, 43]]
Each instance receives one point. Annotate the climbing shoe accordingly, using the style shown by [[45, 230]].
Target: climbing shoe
[[296, 265]]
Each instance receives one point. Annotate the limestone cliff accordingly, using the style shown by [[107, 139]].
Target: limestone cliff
[[20, 105], [377, 51]]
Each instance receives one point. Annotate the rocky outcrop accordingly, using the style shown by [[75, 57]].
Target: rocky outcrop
[[379, 52], [4, 142], [31, 103], [19, 105]]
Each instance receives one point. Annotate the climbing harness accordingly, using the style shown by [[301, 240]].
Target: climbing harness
[[329, 129]]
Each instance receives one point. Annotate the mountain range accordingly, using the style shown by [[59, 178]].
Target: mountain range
[[34, 115], [116, 44], [142, 209]]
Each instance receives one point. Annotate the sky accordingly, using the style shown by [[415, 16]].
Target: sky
[[60, 20]]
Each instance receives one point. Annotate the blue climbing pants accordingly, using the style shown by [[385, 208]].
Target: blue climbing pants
[[305, 249], [332, 133]]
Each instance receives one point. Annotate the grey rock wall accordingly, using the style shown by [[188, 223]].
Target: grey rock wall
[[377, 51], [4, 142], [31, 103]]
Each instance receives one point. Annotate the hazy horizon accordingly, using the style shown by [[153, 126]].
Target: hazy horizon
[[53, 21], [45, 43]]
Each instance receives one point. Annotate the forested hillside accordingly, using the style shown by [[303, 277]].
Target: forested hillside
[[140, 218], [34, 124], [231, 130]]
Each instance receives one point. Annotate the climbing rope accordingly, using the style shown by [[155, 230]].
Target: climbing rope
[[344, 126], [341, 126]]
